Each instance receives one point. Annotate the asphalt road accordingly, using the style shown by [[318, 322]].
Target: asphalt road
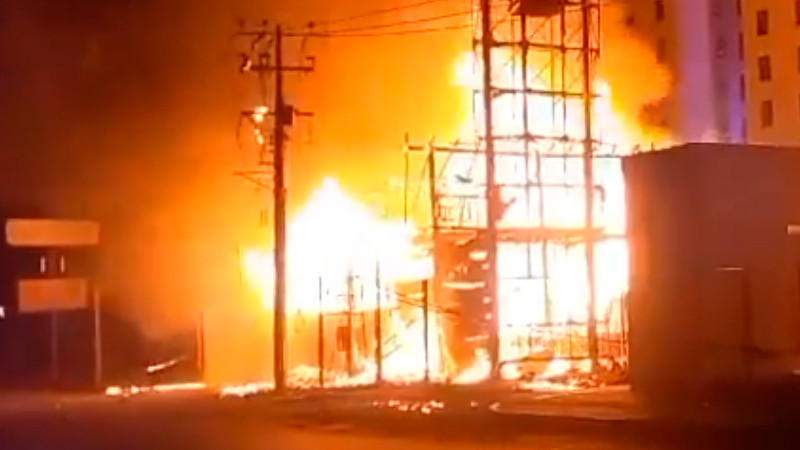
[[167, 422]]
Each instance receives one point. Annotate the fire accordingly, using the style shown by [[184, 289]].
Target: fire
[[124, 391], [334, 238], [342, 259], [522, 305], [345, 260]]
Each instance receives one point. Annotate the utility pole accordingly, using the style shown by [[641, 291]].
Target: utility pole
[[283, 117], [279, 202], [491, 188], [97, 331]]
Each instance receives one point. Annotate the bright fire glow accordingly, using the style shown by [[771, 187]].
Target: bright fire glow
[[343, 258], [333, 238], [120, 391], [523, 302]]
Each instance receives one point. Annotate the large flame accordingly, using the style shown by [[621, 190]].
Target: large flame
[[522, 303], [342, 259], [334, 238]]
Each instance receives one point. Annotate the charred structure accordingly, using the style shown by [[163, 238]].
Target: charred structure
[[519, 222]]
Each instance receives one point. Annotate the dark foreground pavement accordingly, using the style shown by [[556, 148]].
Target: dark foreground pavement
[[356, 420]]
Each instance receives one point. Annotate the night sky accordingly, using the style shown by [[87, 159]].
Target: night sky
[[126, 111]]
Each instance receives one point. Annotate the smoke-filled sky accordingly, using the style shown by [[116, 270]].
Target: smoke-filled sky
[[126, 111]]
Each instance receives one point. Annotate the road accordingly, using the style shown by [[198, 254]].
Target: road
[[204, 422]]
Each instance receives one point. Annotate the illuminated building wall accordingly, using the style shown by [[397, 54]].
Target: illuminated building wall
[[698, 41]]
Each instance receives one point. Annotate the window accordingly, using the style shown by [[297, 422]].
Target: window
[[744, 129], [716, 8], [742, 88], [798, 59], [797, 12], [661, 50], [764, 68], [721, 47], [660, 11], [767, 115], [741, 46], [762, 22]]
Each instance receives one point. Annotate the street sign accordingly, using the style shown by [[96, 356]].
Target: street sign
[[52, 294], [51, 233]]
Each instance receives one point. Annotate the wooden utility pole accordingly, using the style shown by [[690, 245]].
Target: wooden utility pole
[[279, 203], [487, 41], [97, 331], [283, 116]]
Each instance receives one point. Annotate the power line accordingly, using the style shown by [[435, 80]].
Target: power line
[[377, 12], [404, 22], [384, 33], [409, 21]]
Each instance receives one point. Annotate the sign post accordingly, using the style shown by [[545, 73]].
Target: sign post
[[98, 337], [55, 288], [54, 375]]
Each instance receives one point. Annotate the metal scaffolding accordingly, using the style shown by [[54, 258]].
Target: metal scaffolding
[[527, 189]]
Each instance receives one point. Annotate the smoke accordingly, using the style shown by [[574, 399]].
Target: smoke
[[126, 112], [640, 85]]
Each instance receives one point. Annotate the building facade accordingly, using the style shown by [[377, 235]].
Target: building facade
[[771, 51], [735, 67]]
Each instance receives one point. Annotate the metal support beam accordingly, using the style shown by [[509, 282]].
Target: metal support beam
[[491, 187], [588, 174]]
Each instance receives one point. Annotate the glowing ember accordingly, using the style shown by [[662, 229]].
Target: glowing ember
[[117, 391], [245, 390], [478, 371]]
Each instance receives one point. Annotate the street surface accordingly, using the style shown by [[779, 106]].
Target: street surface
[[204, 421]]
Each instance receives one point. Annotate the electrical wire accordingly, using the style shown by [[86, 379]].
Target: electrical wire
[[361, 31], [464, 12], [385, 33], [404, 22], [377, 12]]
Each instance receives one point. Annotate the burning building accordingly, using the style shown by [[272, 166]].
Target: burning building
[[525, 249], [528, 218]]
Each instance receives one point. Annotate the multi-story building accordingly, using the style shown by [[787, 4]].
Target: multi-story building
[[770, 33], [735, 66]]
